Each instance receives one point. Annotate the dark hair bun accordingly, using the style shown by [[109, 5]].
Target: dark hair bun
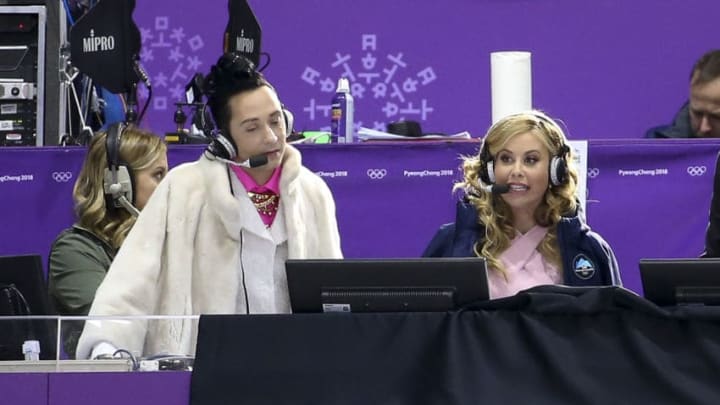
[[231, 75], [230, 72]]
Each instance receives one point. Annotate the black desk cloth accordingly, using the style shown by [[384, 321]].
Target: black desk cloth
[[548, 345]]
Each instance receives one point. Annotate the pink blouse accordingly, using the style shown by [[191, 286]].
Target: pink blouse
[[524, 266]]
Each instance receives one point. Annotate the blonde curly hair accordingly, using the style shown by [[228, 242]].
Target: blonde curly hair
[[494, 213], [139, 149]]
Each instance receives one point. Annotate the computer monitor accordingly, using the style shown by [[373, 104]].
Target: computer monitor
[[385, 285], [668, 282], [24, 293]]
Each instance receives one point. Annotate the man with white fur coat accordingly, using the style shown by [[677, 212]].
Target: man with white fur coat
[[214, 237]]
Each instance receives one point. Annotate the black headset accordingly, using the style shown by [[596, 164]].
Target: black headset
[[557, 171], [236, 65], [118, 179], [223, 146]]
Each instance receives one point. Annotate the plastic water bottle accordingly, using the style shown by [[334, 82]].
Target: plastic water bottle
[[343, 111]]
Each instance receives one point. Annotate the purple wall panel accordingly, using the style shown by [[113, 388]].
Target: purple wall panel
[[150, 388], [609, 69], [25, 388], [647, 198]]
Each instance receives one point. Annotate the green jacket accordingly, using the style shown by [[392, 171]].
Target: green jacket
[[77, 265]]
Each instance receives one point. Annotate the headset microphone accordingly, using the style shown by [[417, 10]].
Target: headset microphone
[[129, 207], [254, 161], [496, 188]]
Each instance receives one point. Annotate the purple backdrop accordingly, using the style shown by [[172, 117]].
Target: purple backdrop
[[647, 198], [628, 60]]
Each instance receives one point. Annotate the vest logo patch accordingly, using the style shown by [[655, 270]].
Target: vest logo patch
[[583, 267]]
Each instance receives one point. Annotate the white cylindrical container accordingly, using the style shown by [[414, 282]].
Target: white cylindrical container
[[511, 83]]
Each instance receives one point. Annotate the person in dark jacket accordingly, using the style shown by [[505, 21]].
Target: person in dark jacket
[[712, 234], [700, 116], [520, 212]]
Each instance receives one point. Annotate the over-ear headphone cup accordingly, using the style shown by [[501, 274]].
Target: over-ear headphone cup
[[289, 121], [482, 173], [124, 177], [118, 185], [558, 171], [490, 172], [118, 180], [487, 166], [222, 148]]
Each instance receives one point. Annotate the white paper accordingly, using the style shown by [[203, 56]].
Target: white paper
[[367, 134], [580, 152]]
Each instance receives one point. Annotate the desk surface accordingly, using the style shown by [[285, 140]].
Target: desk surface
[[550, 345], [599, 346]]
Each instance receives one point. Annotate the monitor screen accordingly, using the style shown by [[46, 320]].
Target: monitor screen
[[668, 282], [24, 292], [385, 285]]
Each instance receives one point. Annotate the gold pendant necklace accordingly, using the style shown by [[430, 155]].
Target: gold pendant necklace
[[265, 203]]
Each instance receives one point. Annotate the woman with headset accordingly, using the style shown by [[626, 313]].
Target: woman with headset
[[520, 212], [216, 233], [121, 170]]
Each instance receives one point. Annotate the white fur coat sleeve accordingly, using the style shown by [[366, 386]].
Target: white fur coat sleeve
[[130, 281]]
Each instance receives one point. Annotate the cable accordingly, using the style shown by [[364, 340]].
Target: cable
[[23, 301], [142, 74], [267, 62], [147, 103], [242, 270], [133, 359], [18, 302], [68, 13]]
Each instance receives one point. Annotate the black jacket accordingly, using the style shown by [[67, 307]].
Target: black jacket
[[712, 236], [680, 127]]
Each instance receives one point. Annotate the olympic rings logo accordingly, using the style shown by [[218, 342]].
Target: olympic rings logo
[[62, 177], [376, 174], [696, 170], [593, 172]]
